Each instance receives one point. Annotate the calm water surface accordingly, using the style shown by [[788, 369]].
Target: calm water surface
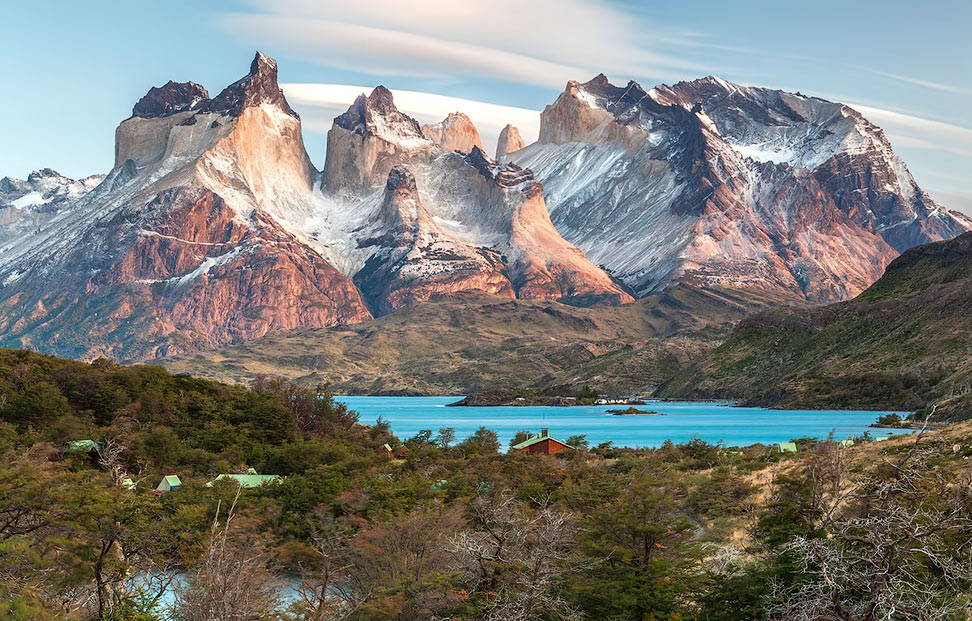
[[712, 422]]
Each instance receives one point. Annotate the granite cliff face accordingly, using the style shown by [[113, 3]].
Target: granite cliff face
[[716, 184], [182, 245], [440, 220]]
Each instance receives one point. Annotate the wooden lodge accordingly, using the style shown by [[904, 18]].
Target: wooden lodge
[[542, 443]]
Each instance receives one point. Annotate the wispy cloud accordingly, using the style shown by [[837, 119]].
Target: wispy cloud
[[542, 42], [921, 132], [318, 104], [948, 88]]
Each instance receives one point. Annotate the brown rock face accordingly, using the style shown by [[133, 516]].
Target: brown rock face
[[191, 276], [367, 141], [509, 141], [455, 133]]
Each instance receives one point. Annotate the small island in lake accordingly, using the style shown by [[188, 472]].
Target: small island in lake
[[518, 397], [550, 396], [634, 412]]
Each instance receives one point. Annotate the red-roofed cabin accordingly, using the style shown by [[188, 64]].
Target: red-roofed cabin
[[542, 443]]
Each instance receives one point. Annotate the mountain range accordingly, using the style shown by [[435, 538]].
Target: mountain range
[[214, 227]]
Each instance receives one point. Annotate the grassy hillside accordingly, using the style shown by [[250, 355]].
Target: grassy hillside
[[468, 343], [906, 342]]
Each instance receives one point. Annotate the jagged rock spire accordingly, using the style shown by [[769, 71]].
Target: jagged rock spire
[[375, 113], [257, 87], [509, 140]]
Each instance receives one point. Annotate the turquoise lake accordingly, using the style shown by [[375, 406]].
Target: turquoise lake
[[712, 422]]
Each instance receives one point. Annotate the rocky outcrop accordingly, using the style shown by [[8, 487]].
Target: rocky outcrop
[[454, 133], [509, 141], [715, 184], [188, 243], [257, 87], [171, 98]]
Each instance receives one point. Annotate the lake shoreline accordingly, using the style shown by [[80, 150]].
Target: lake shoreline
[[681, 421]]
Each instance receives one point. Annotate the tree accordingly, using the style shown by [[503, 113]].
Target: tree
[[311, 410], [446, 436], [649, 562], [328, 590], [578, 441], [420, 440], [520, 436], [482, 442]]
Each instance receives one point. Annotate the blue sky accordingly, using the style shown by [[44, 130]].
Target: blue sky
[[72, 71]]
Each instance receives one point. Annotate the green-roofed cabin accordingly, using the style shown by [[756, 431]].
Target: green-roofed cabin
[[168, 483], [246, 480], [788, 447], [542, 443]]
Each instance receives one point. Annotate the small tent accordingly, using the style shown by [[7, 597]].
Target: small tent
[[168, 483], [788, 447]]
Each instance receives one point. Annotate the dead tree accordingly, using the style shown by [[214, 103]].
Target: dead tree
[[898, 545], [515, 556], [232, 582], [329, 590]]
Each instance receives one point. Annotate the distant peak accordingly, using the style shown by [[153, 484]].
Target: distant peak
[[509, 141], [382, 99], [456, 132], [598, 80]]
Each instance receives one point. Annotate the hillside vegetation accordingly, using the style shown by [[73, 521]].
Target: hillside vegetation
[[445, 529], [904, 343], [468, 343]]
